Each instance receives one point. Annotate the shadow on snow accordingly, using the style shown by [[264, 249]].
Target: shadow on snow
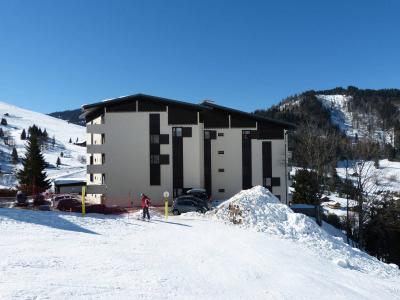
[[49, 219]]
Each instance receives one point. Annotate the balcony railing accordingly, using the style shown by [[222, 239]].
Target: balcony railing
[[95, 128], [94, 148], [96, 189], [96, 169]]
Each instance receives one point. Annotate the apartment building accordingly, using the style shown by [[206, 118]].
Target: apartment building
[[146, 144]]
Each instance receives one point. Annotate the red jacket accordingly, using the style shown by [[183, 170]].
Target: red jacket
[[145, 202]]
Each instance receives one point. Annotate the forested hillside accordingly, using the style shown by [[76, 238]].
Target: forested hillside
[[72, 116]]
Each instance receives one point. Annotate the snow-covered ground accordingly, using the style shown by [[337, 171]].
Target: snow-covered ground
[[352, 123], [51, 255], [72, 164]]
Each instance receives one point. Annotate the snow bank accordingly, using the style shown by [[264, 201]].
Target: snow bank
[[260, 210]]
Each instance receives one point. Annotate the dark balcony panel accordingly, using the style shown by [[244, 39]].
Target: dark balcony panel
[[164, 159], [95, 148], [96, 189], [181, 116], [164, 139], [95, 128], [95, 169], [150, 106]]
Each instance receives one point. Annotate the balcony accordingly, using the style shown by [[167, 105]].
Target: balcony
[[94, 148], [96, 189], [96, 169], [95, 128]]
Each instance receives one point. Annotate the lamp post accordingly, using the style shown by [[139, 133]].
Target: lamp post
[[166, 195]]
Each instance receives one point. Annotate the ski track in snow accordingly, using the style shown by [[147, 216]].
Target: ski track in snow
[[53, 255]]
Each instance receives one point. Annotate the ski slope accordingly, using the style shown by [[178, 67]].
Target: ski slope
[[354, 124], [52, 255], [72, 164]]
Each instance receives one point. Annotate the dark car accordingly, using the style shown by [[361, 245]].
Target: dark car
[[185, 204], [199, 193], [21, 199], [70, 204]]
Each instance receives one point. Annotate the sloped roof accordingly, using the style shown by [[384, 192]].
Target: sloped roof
[[203, 106], [246, 114]]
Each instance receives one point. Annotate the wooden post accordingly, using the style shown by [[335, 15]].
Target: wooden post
[[83, 201]]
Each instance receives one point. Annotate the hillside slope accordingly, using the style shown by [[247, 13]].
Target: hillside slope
[[355, 112], [73, 161], [72, 116]]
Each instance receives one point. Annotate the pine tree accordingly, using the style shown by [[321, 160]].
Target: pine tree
[[58, 163], [62, 154], [306, 186], [14, 156], [1, 133], [32, 177], [70, 140], [4, 121], [23, 135], [53, 141], [77, 140]]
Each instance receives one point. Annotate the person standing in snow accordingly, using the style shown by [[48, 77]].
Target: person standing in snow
[[145, 206]]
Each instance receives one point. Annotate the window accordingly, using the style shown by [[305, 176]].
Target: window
[[154, 139], [267, 181], [103, 178], [103, 138], [221, 170], [247, 134], [91, 161], [220, 134], [177, 131], [221, 191], [91, 177], [103, 158], [154, 159], [220, 152], [178, 192]]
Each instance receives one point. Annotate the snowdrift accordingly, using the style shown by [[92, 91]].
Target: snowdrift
[[259, 210]]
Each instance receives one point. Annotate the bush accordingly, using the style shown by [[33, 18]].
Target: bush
[[306, 187], [333, 220]]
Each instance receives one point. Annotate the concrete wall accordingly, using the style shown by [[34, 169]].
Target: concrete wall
[[127, 157]]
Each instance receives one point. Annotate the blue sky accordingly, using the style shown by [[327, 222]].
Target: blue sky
[[57, 55]]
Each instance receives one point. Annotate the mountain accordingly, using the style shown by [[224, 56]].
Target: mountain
[[354, 112], [74, 156], [72, 116]]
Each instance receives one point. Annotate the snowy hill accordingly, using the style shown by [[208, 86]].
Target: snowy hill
[[72, 163], [353, 123], [274, 254]]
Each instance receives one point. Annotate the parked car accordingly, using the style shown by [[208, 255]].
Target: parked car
[[21, 199], [201, 194], [189, 203], [69, 204]]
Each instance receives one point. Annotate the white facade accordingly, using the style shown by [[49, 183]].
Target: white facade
[[124, 160]]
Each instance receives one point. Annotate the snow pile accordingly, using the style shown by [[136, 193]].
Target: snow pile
[[260, 210]]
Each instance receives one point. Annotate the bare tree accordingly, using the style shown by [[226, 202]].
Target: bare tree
[[367, 180], [316, 148]]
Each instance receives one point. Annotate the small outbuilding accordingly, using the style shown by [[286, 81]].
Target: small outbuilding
[[69, 185]]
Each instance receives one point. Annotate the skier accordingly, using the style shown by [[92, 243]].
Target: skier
[[145, 206]]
